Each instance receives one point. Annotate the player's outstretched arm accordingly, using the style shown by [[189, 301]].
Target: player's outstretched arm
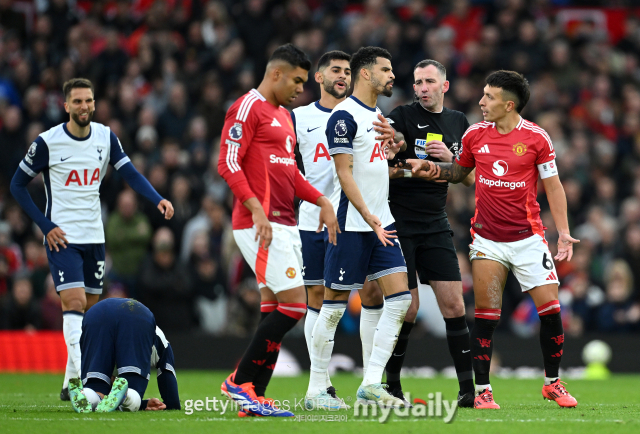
[[452, 172], [141, 185], [558, 206], [439, 150], [344, 170]]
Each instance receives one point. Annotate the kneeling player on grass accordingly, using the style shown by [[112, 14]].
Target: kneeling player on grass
[[509, 153], [122, 333]]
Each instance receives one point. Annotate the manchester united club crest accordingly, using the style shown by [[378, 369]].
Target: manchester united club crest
[[291, 272], [519, 149]]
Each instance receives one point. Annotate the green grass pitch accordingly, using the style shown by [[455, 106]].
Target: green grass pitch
[[30, 404]]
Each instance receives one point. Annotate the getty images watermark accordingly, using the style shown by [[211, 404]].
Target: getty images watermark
[[433, 407]]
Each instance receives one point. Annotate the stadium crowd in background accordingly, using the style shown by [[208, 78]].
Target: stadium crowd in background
[[167, 71]]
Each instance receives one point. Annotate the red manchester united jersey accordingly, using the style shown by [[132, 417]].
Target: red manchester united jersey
[[257, 160], [506, 178]]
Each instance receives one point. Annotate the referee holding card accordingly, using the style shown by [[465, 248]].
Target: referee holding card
[[431, 132]]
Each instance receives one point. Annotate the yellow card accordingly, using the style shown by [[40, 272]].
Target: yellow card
[[431, 136]]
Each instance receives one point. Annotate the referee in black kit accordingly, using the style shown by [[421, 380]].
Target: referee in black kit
[[431, 132]]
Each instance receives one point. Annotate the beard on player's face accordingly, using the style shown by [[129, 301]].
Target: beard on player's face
[[382, 89], [331, 88], [82, 123]]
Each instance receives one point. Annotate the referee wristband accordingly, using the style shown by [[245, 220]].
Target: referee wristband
[[407, 173]]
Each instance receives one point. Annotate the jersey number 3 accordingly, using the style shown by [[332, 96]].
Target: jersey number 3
[[321, 151], [100, 274]]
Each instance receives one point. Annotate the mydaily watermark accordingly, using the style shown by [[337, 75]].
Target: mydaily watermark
[[435, 407]]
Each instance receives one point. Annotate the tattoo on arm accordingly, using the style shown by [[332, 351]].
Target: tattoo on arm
[[351, 163], [453, 172]]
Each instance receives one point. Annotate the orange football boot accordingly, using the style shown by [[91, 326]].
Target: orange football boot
[[558, 393], [485, 400]]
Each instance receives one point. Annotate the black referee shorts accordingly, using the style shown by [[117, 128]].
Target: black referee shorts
[[433, 256]]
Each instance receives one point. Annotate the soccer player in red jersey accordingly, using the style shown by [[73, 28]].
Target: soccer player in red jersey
[[509, 153], [257, 161]]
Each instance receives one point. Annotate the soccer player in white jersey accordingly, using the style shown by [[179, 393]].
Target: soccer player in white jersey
[[367, 248], [334, 77], [73, 158]]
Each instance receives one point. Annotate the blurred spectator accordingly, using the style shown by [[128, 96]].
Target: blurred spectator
[[164, 286], [175, 119], [618, 313], [244, 309], [51, 307], [210, 286], [213, 223], [20, 311], [127, 235], [35, 261], [12, 143]]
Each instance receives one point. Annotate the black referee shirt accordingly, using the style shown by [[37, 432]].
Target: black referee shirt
[[418, 206]]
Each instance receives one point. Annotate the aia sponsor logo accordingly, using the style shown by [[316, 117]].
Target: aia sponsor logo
[[321, 152], [378, 152], [82, 179]]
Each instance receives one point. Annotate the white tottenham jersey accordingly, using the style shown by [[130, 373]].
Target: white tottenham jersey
[[310, 122], [350, 131], [73, 169]]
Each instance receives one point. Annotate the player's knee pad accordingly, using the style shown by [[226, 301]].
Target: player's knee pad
[[132, 401]]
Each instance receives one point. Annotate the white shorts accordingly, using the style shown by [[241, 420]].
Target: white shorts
[[528, 259], [278, 267]]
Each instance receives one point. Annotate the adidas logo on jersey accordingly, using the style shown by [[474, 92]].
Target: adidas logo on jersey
[[275, 123], [484, 149], [552, 276]]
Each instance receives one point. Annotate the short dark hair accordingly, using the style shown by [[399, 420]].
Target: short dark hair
[[292, 55], [76, 83], [366, 57], [512, 82], [326, 58], [427, 62]]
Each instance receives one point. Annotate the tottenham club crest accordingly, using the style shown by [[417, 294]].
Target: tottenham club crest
[[32, 150], [341, 128], [235, 132]]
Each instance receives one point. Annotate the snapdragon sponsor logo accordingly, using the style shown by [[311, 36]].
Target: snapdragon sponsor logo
[[502, 184], [280, 160]]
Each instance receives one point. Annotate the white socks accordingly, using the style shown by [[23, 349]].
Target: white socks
[[92, 397], [369, 317], [309, 323], [70, 371], [549, 380], [481, 387], [386, 335], [322, 344], [72, 329], [132, 401]]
